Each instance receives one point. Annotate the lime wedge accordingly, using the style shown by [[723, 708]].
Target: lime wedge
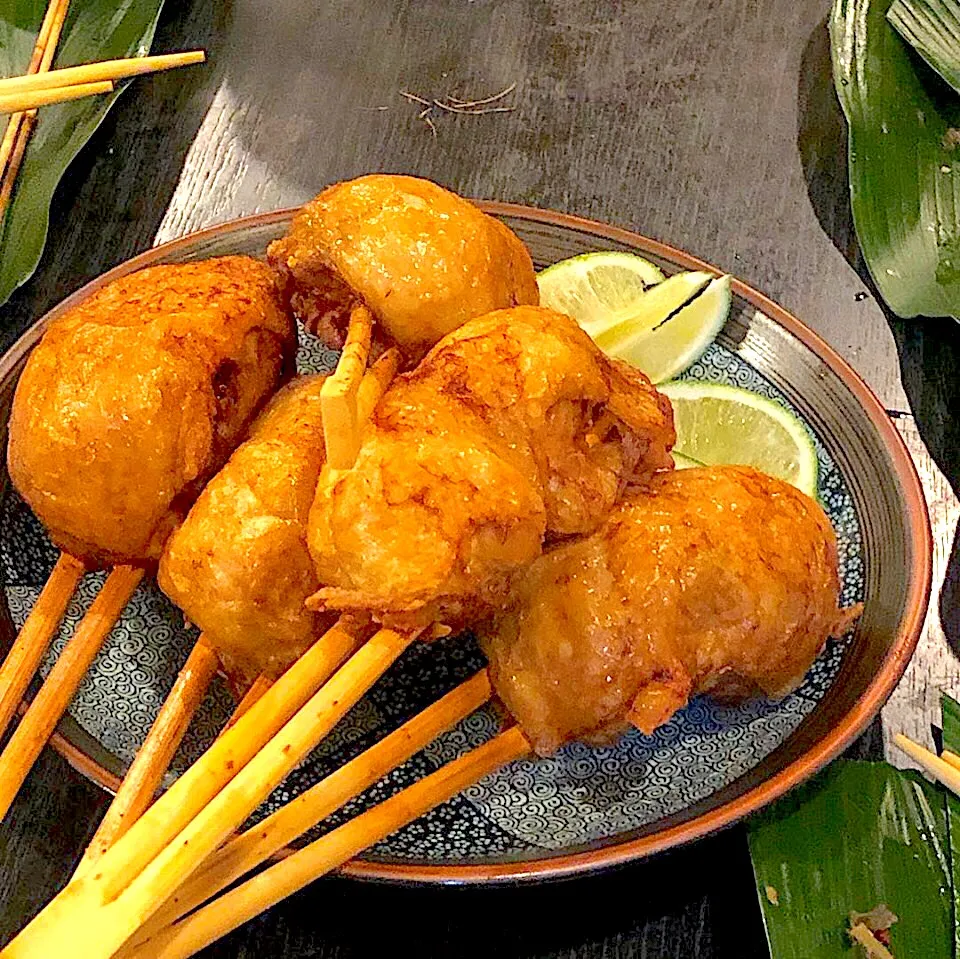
[[682, 462], [597, 289], [651, 309], [676, 343], [719, 424]]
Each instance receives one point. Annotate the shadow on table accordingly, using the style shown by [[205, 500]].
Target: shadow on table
[[114, 195], [669, 907], [929, 348]]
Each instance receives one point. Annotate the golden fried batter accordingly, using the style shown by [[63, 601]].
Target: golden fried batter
[[514, 429], [718, 580], [423, 260], [239, 566], [134, 398]]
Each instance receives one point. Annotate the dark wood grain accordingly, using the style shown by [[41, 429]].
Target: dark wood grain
[[709, 124]]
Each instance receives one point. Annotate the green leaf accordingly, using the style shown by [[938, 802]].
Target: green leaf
[[903, 161], [932, 28], [951, 723], [951, 740], [95, 30], [859, 835]]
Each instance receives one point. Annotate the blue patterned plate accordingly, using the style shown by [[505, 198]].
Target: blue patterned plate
[[586, 806]]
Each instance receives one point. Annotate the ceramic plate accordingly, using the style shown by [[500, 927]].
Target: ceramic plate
[[585, 807]]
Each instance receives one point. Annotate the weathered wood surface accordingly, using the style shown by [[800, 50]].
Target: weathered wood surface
[[709, 124]]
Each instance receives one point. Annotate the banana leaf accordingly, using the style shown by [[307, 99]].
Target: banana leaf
[[932, 28], [951, 723], [94, 30], [858, 836], [904, 164], [951, 740]]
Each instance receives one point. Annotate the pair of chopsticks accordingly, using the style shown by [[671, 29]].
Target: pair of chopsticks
[[945, 768], [19, 94], [41, 86]]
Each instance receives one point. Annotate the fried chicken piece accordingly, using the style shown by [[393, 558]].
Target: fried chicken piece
[[719, 580], [515, 429], [422, 259], [238, 566], [135, 397]]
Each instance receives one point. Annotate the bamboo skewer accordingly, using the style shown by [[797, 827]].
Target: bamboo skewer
[[338, 396], [31, 100], [145, 774], [20, 125], [98, 72], [253, 847], [47, 40], [269, 887], [34, 638], [50, 703]]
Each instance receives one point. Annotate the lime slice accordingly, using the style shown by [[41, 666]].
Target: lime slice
[[723, 424], [675, 343], [597, 289]]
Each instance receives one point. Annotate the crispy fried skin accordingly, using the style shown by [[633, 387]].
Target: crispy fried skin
[[239, 566], [133, 399], [719, 580], [423, 259], [514, 429]]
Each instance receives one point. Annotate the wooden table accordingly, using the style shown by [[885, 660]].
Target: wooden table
[[709, 124]]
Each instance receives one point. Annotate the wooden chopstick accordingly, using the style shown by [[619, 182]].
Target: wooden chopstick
[[99, 72], [21, 125], [952, 758], [941, 770], [32, 99]]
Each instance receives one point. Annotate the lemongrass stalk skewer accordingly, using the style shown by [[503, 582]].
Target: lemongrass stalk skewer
[[253, 847], [266, 889], [34, 638], [51, 702]]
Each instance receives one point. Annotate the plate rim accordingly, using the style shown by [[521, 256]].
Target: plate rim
[[800, 769]]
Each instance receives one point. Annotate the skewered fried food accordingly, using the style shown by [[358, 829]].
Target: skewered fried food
[[135, 397], [423, 259], [514, 429], [238, 566], [720, 580]]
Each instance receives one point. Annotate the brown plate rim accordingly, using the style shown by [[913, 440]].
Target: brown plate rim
[[814, 759]]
